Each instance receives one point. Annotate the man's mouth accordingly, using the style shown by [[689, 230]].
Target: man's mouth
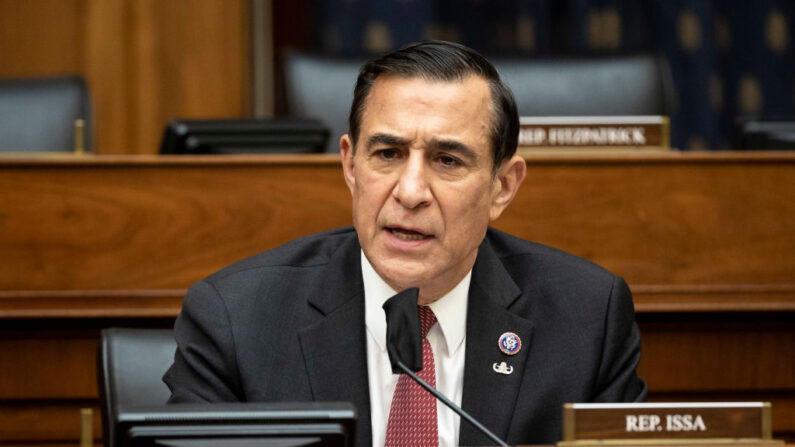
[[408, 235]]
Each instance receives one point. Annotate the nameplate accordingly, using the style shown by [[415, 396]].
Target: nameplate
[[607, 132], [667, 421]]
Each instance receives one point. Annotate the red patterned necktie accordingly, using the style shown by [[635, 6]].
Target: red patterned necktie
[[412, 416]]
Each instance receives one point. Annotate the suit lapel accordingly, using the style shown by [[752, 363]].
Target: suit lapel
[[334, 347], [490, 396]]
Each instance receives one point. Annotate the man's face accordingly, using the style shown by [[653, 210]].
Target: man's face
[[421, 180]]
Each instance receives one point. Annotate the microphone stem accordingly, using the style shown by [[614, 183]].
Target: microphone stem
[[452, 406]]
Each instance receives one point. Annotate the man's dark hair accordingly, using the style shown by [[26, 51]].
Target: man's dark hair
[[438, 60]]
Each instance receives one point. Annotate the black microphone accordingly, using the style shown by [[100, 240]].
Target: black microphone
[[404, 344]]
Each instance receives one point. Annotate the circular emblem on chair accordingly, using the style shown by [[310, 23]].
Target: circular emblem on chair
[[510, 343]]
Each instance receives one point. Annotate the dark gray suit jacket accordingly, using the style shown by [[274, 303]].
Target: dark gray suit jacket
[[288, 325]]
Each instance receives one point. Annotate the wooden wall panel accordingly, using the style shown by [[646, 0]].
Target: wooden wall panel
[[187, 62], [146, 62], [668, 222], [145, 225], [673, 226], [42, 37], [753, 352], [108, 72], [50, 424], [30, 361]]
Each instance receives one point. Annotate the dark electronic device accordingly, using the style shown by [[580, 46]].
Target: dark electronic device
[[244, 136], [237, 425], [755, 134]]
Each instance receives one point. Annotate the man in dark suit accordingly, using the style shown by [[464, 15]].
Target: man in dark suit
[[522, 328]]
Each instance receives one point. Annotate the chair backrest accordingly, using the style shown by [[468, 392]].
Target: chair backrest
[[597, 86], [130, 367], [321, 87], [38, 115]]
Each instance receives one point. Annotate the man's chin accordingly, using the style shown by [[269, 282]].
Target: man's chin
[[401, 275]]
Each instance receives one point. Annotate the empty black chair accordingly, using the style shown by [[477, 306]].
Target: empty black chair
[[38, 115], [130, 367], [595, 86], [321, 87]]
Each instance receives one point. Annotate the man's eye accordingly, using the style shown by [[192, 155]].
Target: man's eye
[[449, 161], [388, 154]]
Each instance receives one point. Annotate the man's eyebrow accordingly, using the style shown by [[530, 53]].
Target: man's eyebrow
[[453, 146], [456, 147], [385, 139]]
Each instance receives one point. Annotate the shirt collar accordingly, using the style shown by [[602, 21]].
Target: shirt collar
[[450, 310]]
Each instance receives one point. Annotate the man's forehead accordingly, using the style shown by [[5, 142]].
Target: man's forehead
[[393, 80], [388, 86]]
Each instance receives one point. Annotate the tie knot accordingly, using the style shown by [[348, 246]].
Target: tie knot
[[427, 319]]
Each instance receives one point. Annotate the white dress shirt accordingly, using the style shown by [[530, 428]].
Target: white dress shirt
[[447, 339]]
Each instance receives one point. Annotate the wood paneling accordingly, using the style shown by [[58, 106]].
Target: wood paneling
[[31, 361], [42, 37], [719, 353], [668, 221], [137, 224], [46, 423], [705, 241], [146, 62], [673, 225], [108, 70], [187, 62]]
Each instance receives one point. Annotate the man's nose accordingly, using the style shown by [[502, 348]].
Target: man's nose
[[412, 189]]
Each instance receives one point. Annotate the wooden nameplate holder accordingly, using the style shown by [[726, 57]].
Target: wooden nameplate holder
[[594, 132], [668, 424]]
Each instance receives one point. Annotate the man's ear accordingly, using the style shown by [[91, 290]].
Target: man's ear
[[346, 155], [509, 177]]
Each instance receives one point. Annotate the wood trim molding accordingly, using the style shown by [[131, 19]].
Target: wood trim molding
[[659, 298], [566, 157], [166, 303], [90, 303]]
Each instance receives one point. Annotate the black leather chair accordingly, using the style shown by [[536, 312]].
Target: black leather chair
[[322, 87], [38, 115], [598, 86], [130, 366]]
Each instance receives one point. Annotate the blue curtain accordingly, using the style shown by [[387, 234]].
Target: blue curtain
[[728, 58]]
